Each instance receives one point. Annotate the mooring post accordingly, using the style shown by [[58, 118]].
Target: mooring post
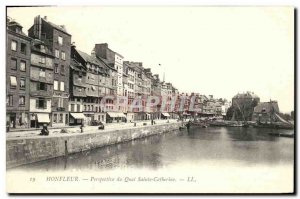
[[66, 147]]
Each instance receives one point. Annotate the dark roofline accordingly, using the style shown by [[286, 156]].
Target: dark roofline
[[115, 52], [19, 35], [55, 26], [99, 58]]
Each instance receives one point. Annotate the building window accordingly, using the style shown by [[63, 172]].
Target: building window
[[60, 102], [41, 103], [54, 118], [22, 66], [61, 118], [13, 81], [78, 107], [56, 68], [62, 71], [56, 53], [42, 60], [13, 63], [41, 86], [42, 72], [72, 107], [9, 100], [14, 45], [22, 83], [23, 48], [63, 55], [55, 85], [60, 40], [22, 100], [62, 86]]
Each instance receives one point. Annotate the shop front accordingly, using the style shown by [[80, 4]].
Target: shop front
[[165, 116], [76, 119], [38, 120], [17, 120], [115, 117]]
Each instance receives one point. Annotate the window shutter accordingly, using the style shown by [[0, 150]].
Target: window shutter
[[45, 104], [38, 86], [37, 103]]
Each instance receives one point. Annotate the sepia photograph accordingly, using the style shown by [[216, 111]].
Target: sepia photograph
[[150, 99]]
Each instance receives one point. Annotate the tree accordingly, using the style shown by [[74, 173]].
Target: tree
[[292, 115]]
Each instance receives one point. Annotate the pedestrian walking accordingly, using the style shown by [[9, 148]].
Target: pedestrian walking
[[81, 128]]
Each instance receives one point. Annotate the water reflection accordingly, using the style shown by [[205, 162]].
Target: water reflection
[[247, 146]]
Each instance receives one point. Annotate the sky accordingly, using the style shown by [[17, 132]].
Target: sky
[[220, 51]]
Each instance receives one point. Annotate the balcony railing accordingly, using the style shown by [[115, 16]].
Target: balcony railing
[[60, 109]]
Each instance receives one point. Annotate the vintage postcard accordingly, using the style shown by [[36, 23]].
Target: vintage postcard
[[157, 99]]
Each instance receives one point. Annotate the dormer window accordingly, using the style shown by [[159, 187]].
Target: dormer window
[[18, 30], [42, 48]]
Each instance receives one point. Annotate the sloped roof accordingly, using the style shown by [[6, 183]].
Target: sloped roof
[[246, 95], [11, 24], [76, 65], [56, 26], [267, 107], [88, 58], [105, 63]]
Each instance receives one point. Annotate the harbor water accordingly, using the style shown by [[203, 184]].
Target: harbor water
[[249, 146], [224, 158]]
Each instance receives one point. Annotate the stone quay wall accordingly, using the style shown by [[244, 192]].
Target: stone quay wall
[[20, 151]]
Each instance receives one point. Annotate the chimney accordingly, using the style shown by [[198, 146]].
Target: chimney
[[45, 17], [93, 53]]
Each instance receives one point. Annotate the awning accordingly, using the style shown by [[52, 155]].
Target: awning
[[77, 115], [43, 118], [186, 114], [115, 114], [165, 114], [13, 81]]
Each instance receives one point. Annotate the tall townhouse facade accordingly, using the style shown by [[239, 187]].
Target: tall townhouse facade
[[59, 42], [130, 71], [115, 60], [156, 91], [91, 104], [17, 76], [175, 112], [78, 73], [139, 113], [41, 84], [150, 110]]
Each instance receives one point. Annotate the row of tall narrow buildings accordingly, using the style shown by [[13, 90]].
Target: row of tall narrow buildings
[[50, 81]]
